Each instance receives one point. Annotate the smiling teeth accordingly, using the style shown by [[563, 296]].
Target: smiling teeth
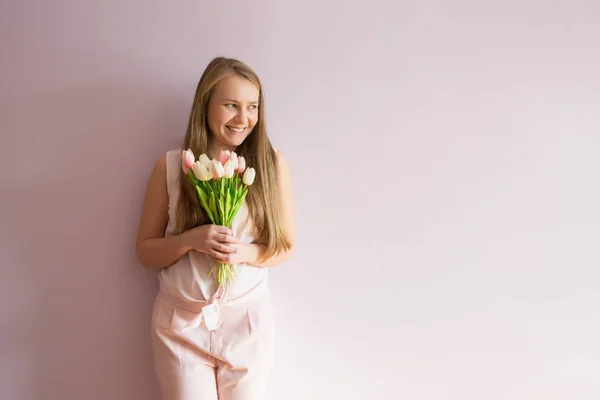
[[238, 130]]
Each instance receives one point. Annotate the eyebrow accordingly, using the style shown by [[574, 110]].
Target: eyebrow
[[235, 101]]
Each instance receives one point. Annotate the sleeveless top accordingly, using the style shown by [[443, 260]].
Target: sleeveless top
[[187, 278]]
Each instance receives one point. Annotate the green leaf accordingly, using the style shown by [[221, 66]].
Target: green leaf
[[213, 207], [221, 211], [205, 203], [234, 201], [228, 206], [192, 177]]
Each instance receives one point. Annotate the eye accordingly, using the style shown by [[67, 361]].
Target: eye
[[230, 104], [253, 107]]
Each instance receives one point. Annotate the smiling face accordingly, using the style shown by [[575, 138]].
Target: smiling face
[[232, 112]]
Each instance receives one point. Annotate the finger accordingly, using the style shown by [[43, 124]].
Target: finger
[[226, 249], [225, 230], [220, 256], [228, 239]]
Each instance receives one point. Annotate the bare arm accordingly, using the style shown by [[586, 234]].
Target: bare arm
[[152, 248]]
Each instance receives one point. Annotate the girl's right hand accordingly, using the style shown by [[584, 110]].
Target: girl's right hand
[[212, 239]]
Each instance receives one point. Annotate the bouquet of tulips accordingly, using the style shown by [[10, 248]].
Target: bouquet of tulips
[[221, 192]]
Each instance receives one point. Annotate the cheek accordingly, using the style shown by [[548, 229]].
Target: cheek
[[253, 120], [219, 118], [214, 119]]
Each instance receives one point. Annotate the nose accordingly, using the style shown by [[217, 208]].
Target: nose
[[241, 116]]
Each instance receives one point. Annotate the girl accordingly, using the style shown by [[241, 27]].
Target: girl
[[209, 344]]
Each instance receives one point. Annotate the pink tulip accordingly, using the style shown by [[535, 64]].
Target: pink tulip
[[224, 156], [187, 160], [217, 170], [234, 160], [241, 165]]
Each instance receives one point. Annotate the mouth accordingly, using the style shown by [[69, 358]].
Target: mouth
[[236, 130]]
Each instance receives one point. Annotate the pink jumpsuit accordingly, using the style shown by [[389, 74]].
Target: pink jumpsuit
[[200, 357]]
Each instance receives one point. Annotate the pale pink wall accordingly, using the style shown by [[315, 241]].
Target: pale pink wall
[[457, 260]]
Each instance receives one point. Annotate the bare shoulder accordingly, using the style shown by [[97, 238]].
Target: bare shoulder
[[286, 196], [161, 163], [158, 175], [155, 211], [283, 174], [282, 163]]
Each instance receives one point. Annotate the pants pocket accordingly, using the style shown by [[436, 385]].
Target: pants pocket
[[181, 319]]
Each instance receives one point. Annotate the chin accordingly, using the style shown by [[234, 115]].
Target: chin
[[236, 140], [233, 142]]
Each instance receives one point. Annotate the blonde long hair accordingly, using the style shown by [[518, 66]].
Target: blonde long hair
[[263, 196]]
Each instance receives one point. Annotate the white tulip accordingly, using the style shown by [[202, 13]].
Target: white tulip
[[249, 176], [205, 161], [217, 170], [200, 172], [229, 170]]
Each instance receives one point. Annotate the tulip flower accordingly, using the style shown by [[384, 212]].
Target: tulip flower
[[217, 170], [249, 176], [205, 161], [200, 172], [241, 165], [224, 156], [229, 170], [234, 160], [187, 160]]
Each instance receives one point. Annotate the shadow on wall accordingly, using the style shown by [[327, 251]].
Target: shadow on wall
[[77, 302]]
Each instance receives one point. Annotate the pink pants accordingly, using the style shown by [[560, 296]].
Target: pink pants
[[232, 362]]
